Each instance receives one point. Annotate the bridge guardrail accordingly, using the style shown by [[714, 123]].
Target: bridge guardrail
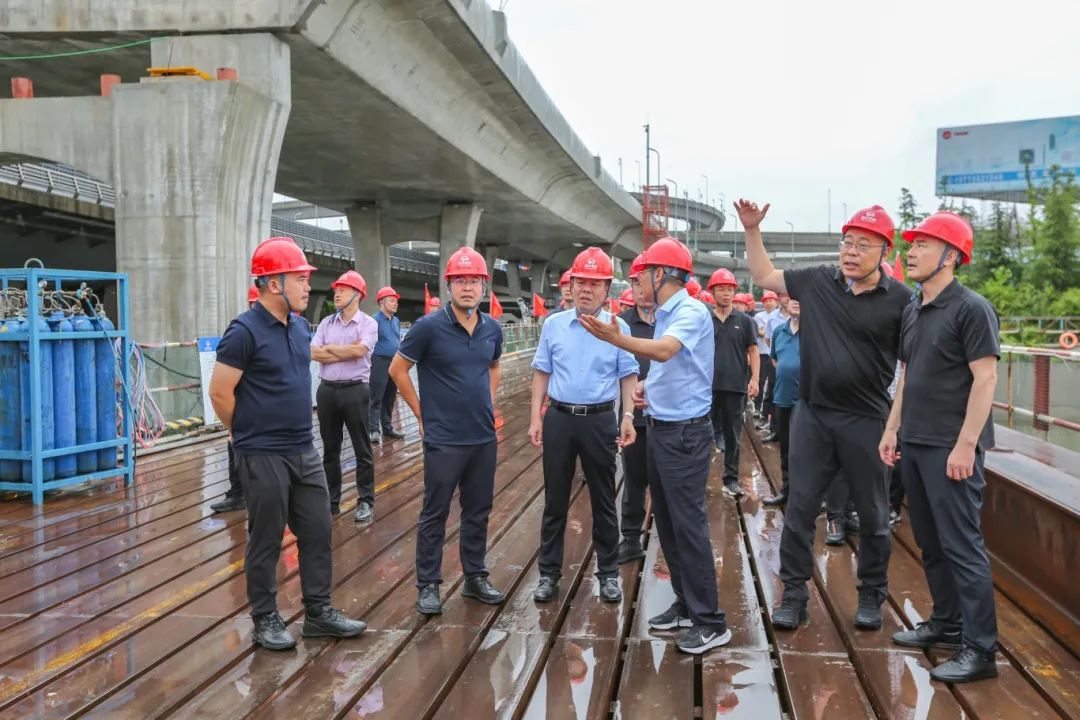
[[1038, 393]]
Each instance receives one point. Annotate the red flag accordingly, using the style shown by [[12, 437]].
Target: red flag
[[539, 310], [427, 300], [496, 306], [898, 268]]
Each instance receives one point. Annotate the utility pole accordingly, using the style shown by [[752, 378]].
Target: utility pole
[[792, 226], [620, 173], [828, 210], [648, 179]]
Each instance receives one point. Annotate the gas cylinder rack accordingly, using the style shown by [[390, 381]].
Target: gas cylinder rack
[[65, 401]]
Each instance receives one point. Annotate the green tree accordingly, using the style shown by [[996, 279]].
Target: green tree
[[1056, 234], [996, 246]]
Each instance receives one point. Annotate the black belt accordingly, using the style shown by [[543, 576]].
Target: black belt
[[653, 422], [342, 383], [571, 409]]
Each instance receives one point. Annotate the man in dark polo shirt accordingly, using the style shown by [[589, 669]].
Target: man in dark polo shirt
[[261, 390], [736, 358], [850, 340], [639, 317], [456, 352], [949, 346]]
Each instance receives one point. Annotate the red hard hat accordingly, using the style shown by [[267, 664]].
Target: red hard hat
[[466, 261], [744, 298], [723, 276], [592, 264], [949, 228], [565, 279], [693, 287], [706, 298], [353, 279], [668, 252], [434, 302], [637, 265], [253, 294], [385, 292], [627, 297], [872, 219], [769, 295], [278, 255]]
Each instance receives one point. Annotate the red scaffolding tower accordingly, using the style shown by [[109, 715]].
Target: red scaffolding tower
[[654, 213]]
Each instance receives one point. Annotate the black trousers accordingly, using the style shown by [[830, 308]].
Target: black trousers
[[592, 438], [783, 429], [446, 468], [945, 518], [766, 380], [838, 501], [236, 490], [635, 480], [678, 462], [896, 487], [824, 443], [345, 407], [383, 394], [727, 422], [280, 490]]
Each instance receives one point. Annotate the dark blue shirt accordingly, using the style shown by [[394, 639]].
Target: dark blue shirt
[[785, 351], [453, 368], [389, 335], [273, 397]]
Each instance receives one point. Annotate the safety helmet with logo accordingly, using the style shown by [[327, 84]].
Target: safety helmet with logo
[[949, 228], [592, 264], [723, 276], [351, 279], [706, 298], [668, 252], [769, 295], [466, 262], [564, 279], [637, 266], [627, 298], [743, 298], [873, 219], [385, 292], [253, 294], [277, 256], [693, 287]]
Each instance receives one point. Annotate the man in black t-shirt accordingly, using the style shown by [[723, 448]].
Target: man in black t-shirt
[[850, 339], [949, 347]]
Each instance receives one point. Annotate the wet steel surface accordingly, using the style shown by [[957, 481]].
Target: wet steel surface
[[131, 603]]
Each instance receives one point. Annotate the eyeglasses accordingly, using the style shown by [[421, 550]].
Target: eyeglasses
[[468, 280], [862, 246]]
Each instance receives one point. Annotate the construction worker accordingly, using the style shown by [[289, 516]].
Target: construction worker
[[949, 350], [849, 344], [706, 298], [342, 347], [736, 370], [739, 302], [456, 353], [786, 360], [566, 301], [434, 305], [639, 317], [677, 396], [582, 380], [383, 390], [234, 496], [261, 390], [763, 320], [777, 315]]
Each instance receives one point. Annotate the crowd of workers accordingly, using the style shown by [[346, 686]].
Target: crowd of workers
[[871, 392]]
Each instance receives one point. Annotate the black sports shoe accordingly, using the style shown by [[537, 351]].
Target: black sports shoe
[[228, 504], [546, 589], [834, 532], [672, 618], [698, 639], [331, 622], [868, 615], [480, 588], [630, 550], [928, 635], [851, 523], [776, 500], [392, 434], [719, 444], [335, 510], [364, 512], [789, 615], [428, 602], [270, 632], [732, 488], [895, 517], [967, 665], [770, 438], [610, 591]]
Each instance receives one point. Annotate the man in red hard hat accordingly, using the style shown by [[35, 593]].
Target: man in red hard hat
[[736, 369], [383, 390], [949, 348], [677, 397], [261, 390], [566, 298], [626, 298], [850, 337], [342, 346], [764, 321], [456, 352], [582, 379]]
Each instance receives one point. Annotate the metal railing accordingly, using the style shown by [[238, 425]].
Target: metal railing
[[1046, 330], [1039, 387]]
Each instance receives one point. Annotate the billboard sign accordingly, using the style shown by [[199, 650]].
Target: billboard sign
[[987, 161]]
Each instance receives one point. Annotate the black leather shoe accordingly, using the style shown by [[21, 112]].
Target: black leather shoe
[[868, 615], [630, 550], [546, 589], [776, 500], [770, 438], [789, 615], [834, 532], [967, 665], [331, 622], [928, 635], [480, 588], [229, 504], [428, 602], [364, 512], [270, 632], [393, 435], [610, 592]]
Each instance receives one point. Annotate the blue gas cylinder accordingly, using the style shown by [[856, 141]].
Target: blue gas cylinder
[[85, 396], [44, 412], [63, 394], [105, 388], [10, 408]]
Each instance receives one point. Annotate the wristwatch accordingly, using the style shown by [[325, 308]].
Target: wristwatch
[[629, 415]]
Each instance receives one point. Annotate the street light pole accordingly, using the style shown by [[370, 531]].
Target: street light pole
[[620, 173], [638, 163], [686, 202], [658, 174], [648, 176], [706, 187], [792, 226], [676, 190]]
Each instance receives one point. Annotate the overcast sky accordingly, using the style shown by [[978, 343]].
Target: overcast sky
[[780, 100]]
